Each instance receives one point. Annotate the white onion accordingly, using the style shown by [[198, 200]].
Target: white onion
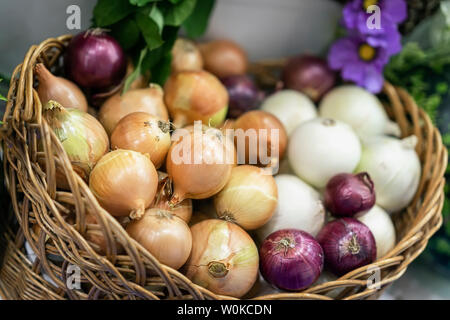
[[290, 107], [299, 207], [321, 148], [383, 230], [360, 109], [394, 168]]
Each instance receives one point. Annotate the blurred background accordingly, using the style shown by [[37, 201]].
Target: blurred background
[[266, 29]]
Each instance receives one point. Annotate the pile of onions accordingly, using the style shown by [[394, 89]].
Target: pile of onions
[[94, 59], [195, 95], [186, 56], [124, 183], [249, 198], [224, 58], [148, 100], [81, 135], [291, 107], [260, 138], [291, 259], [347, 194], [144, 133], [243, 94], [394, 168], [59, 89], [299, 206], [358, 108], [199, 163], [380, 224], [224, 259], [321, 148], [348, 244], [310, 75], [182, 210], [167, 237]]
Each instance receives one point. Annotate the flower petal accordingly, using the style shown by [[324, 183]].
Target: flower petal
[[373, 79], [396, 10], [342, 52]]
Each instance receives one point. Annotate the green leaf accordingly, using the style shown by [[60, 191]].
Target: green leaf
[[196, 24], [141, 3], [126, 32], [137, 71], [178, 13], [108, 12], [157, 16], [2, 97], [161, 71], [152, 58], [149, 29], [174, 1]]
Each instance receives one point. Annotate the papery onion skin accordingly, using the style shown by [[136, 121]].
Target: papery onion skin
[[59, 89], [310, 75], [224, 58], [182, 210], [291, 259], [224, 258], [347, 244], [81, 135], [243, 93], [250, 152], [94, 59], [186, 56], [249, 198], [124, 183], [148, 100], [199, 175], [167, 237], [195, 95], [144, 133], [347, 194]]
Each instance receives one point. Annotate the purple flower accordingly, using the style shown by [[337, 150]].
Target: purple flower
[[355, 14], [359, 62]]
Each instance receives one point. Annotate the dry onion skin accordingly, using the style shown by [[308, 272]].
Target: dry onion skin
[[224, 258], [195, 95], [186, 56], [124, 183], [144, 133], [182, 210], [167, 237], [224, 58], [148, 100], [199, 175], [249, 198], [59, 89], [249, 150]]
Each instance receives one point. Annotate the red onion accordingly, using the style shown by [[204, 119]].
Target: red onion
[[347, 194], [310, 75], [243, 93], [291, 259], [348, 244], [94, 59]]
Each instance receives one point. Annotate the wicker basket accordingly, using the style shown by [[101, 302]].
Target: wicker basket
[[136, 274]]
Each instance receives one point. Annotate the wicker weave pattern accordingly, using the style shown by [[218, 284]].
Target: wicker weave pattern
[[136, 274]]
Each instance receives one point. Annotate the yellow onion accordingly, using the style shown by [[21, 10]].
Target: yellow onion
[[144, 133], [258, 130], [148, 100], [249, 198], [224, 258], [224, 58], [141, 81], [195, 95], [186, 56], [167, 237], [95, 235], [199, 163], [81, 135], [124, 183], [59, 89]]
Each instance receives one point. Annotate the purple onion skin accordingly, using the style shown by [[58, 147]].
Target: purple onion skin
[[243, 94], [347, 244], [348, 194], [310, 75], [95, 60], [291, 259]]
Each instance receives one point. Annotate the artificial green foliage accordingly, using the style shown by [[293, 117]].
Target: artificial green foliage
[[147, 29]]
